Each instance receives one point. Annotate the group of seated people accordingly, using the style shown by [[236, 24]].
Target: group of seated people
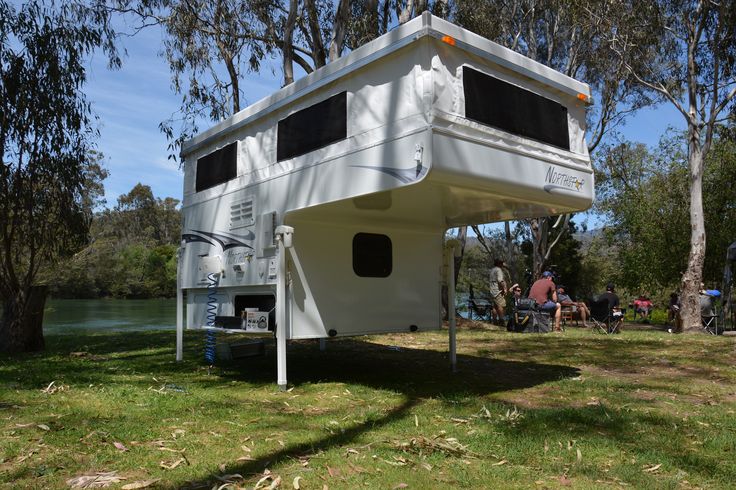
[[551, 298]]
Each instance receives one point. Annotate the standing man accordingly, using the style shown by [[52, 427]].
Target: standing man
[[544, 292], [498, 290]]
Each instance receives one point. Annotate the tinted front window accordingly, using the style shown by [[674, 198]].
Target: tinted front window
[[500, 104]]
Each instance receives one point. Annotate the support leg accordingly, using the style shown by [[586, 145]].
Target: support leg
[[284, 239], [322, 345], [451, 320], [281, 317], [179, 314]]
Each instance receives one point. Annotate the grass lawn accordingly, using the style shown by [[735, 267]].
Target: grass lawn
[[644, 409]]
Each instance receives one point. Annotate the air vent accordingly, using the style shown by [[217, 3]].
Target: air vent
[[241, 214]]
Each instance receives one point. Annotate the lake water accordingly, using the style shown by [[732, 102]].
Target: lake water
[[69, 315], [72, 315]]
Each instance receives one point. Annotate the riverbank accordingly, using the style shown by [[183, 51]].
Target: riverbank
[[644, 409]]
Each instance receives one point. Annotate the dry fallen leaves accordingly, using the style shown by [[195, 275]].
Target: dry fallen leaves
[[97, 480], [652, 469], [140, 484], [54, 388], [438, 443], [267, 475], [172, 465], [120, 446]]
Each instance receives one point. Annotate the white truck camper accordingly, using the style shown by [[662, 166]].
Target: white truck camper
[[321, 211]]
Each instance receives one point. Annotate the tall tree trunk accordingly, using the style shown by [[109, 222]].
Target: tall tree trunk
[[21, 325], [462, 237], [540, 231], [510, 262], [288, 49], [319, 56], [337, 43], [690, 312]]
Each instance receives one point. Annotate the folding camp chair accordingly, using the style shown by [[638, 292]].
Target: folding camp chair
[[479, 307], [527, 318], [604, 319], [708, 315]]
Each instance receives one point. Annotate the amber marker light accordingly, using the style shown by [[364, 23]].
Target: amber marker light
[[449, 40], [584, 98]]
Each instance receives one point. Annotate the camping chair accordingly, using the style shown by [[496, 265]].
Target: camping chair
[[603, 317], [708, 315], [567, 314], [527, 318], [480, 307]]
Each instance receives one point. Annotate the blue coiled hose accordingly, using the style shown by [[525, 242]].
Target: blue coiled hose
[[210, 341]]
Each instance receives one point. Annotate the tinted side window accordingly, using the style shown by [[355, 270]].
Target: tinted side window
[[372, 255], [314, 127], [217, 167], [496, 103]]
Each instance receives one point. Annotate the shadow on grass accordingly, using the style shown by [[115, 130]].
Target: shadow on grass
[[414, 373]]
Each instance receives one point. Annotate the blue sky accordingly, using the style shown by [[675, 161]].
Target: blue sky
[[132, 101]]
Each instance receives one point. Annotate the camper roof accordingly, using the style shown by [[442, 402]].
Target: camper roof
[[412, 31]]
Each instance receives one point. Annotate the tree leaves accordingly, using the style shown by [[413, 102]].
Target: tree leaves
[[49, 171]]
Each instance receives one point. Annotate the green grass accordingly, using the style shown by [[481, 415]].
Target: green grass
[[642, 409]]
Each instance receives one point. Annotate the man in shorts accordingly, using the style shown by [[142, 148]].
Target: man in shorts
[[497, 289], [544, 292]]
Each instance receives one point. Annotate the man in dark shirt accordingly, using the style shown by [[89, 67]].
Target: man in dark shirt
[[613, 305], [611, 297], [544, 292]]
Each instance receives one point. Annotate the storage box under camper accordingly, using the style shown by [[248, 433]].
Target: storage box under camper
[[342, 184]]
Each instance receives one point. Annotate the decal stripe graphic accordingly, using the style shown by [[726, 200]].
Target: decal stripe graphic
[[191, 238], [229, 241]]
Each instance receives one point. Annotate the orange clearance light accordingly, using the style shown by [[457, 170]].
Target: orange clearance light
[[449, 40], [584, 98]]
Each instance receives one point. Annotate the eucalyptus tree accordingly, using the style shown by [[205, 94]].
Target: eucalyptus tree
[[210, 45], [644, 194], [693, 68], [49, 176], [567, 36]]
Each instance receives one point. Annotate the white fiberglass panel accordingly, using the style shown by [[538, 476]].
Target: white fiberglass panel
[[327, 294]]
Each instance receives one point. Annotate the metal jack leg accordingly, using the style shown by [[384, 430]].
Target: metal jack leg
[[283, 238]]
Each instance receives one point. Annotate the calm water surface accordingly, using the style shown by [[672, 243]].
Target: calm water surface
[[69, 315]]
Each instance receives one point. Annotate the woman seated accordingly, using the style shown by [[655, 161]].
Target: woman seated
[[643, 307], [578, 306]]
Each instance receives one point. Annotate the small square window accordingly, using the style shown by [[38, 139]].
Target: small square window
[[372, 255]]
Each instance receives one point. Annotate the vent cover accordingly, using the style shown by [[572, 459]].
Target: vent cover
[[241, 214]]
